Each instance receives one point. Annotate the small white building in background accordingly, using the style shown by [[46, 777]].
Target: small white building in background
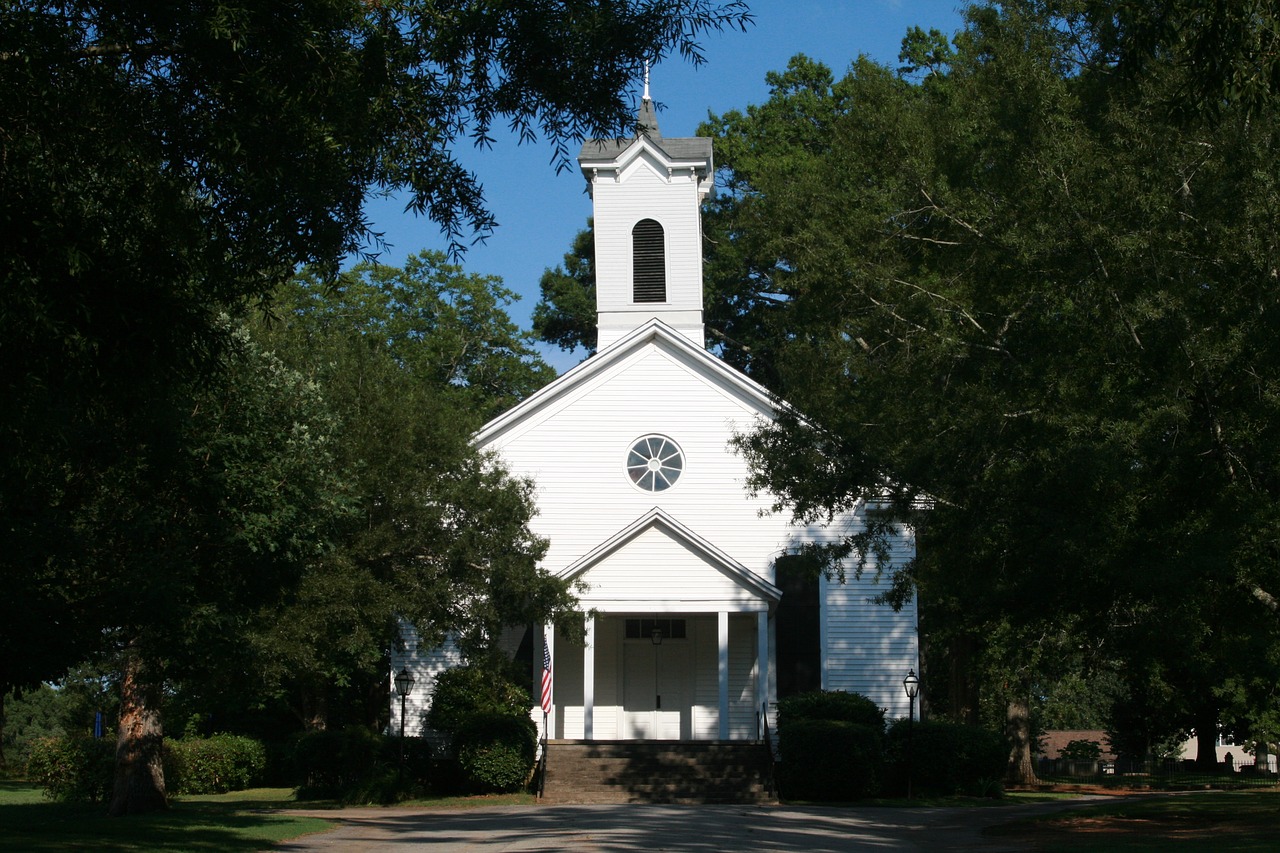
[[643, 499]]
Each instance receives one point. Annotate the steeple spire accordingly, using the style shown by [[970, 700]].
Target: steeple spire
[[647, 119]]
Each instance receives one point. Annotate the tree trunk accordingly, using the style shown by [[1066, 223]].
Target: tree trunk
[[1207, 739], [315, 709], [4, 765], [1021, 770], [139, 783], [961, 684]]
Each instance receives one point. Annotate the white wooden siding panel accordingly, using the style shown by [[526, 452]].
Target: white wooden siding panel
[[577, 458], [653, 565], [425, 664]]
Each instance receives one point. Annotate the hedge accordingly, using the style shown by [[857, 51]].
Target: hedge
[[77, 768], [357, 765], [831, 760], [213, 765], [496, 752], [835, 705], [947, 759]]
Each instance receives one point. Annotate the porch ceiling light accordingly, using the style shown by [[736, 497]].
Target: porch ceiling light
[[656, 635]]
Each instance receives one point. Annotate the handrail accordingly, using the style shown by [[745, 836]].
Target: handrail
[[768, 745], [542, 764]]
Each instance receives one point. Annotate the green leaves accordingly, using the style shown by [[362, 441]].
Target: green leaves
[[1024, 294]]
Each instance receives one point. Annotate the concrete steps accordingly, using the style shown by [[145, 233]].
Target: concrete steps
[[657, 772]]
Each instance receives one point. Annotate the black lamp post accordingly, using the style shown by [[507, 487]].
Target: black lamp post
[[911, 684], [404, 686]]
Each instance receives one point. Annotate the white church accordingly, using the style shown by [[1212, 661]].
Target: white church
[[694, 625]]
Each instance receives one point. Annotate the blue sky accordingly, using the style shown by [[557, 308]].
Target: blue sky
[[539, 211]]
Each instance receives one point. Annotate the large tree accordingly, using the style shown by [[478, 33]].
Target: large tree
[[1029, 292], [197, 535], [412, 361], [164, 161]]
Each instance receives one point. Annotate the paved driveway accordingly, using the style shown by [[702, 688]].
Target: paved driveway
[[653, 827]]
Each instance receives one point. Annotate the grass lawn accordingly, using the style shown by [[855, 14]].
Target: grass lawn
[[1208, 821], [240, 821], [244, 821]]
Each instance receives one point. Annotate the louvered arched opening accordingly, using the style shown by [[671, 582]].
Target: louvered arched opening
[[649, 262]]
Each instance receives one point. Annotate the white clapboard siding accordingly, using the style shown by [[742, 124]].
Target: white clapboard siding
[[649, 567], [644, 187], [424, 664], [867, 646], [576, 455]]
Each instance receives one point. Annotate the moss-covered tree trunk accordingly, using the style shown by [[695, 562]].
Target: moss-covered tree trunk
[[1022, 770], [139, 782]]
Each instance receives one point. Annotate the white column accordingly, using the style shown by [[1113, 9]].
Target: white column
[[723, 626], [762, 662], [549, 637], [589, 681]]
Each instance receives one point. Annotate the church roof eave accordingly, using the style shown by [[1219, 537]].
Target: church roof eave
[[653, 332], [658, 517]]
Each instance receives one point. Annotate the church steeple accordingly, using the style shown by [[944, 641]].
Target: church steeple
[[647, 193]]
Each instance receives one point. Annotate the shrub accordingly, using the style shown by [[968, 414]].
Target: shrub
[[946, 759], [466, 693], [835, 705], [332, 760], [356, 765], [76, 768], [496, 751], [213, 765], [833, 760]]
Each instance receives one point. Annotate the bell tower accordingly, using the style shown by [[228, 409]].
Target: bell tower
[[646, 194]]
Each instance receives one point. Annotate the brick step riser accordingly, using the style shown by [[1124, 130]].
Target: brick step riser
[[690, 773]]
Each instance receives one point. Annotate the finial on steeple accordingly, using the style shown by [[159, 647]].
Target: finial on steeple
[[647, 120]]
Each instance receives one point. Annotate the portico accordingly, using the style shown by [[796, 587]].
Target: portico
[[677, 641]]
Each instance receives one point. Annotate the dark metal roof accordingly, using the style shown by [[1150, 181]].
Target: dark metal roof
[[682, 148]]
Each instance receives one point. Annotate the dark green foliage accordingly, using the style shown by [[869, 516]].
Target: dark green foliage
[[834, 705], [496, 751], [75, 768], [357, 765], [947, 759], [165, 162], [829, 760], [412, 359], [1021, 291], [1081, 750], [213, 765], [332, 760], [566, 314], [466, 693]]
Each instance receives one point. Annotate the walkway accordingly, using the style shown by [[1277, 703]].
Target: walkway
[[648, 828]]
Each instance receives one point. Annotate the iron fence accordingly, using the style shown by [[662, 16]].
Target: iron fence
[[1158, 772]]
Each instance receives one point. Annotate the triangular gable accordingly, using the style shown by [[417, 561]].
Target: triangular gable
[[655, 333], [646, 537], [692, 156]]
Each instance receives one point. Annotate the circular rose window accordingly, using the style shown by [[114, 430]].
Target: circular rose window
[[654, 463]]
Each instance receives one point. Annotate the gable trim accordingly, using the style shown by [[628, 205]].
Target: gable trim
[[653, 332], [657, 518]]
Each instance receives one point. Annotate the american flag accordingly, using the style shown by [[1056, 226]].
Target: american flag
[[546, 679]]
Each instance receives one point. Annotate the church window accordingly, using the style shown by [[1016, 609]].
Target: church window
[[668, 629], [654, 463], [649, 262]]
